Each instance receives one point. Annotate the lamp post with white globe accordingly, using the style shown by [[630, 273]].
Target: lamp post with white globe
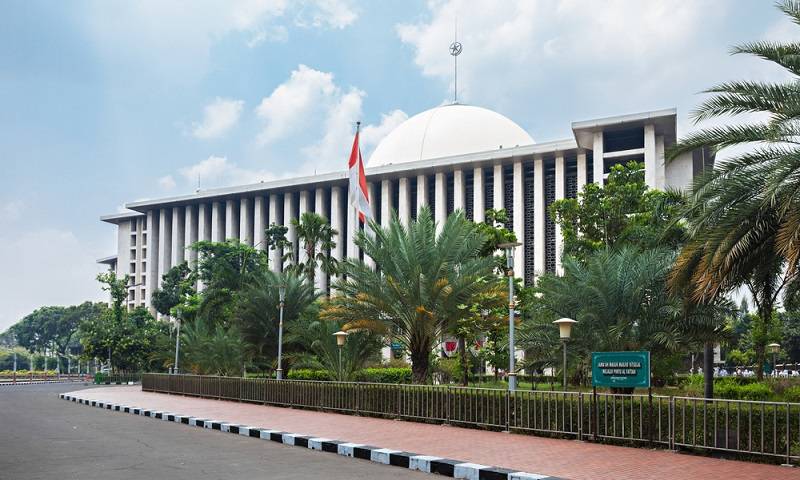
[[565, 332]]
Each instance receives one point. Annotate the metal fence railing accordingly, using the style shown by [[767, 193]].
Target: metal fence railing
[[30, 377], [746, 428]]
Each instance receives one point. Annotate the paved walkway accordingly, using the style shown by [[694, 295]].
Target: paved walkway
[[561, 458]]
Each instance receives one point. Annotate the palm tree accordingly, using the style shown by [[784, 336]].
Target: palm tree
[[315, 346], [420, 280], [744, 216], [212, 349], [316, 236], [258, 308]]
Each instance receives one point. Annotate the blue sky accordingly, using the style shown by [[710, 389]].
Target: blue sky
[[104, 103]]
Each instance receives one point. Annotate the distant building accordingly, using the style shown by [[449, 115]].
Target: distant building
[[449, 157]]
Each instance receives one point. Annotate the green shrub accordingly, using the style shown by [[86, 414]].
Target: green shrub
[[384, 375], [309, 374], [792, 394], [731, 388]]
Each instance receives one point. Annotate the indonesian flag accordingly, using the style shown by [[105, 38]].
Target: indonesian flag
[[359, 196]]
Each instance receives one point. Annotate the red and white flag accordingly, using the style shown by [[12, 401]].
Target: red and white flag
[[358, 193]]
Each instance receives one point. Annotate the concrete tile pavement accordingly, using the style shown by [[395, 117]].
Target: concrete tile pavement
[[561, 458]]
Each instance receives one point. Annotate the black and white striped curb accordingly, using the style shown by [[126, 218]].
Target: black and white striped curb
[[413, 461], [38, 382]]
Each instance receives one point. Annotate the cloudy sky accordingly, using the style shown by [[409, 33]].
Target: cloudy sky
[[107, 102]]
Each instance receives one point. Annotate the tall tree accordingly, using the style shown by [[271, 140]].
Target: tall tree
[[225, 268], [744, 216], [258, 309], [177, 287], [420, 280], [316, 237], [622, 212]]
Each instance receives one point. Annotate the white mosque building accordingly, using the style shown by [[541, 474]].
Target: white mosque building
[[449, 157]]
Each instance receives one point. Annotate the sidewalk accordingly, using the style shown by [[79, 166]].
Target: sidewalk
[[560, 458]]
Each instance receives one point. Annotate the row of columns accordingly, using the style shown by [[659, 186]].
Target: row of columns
[[172, 230]]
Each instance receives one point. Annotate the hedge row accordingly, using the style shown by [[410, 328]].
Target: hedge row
[[369, 375]]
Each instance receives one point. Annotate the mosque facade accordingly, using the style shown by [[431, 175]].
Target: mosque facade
[[452, 157]]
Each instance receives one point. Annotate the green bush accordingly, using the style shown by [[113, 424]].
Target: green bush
[[792, 394], [309, 374], [384, 375], [732, 388]]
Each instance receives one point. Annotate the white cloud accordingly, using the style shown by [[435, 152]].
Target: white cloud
[[219, 117], [166, 182], [11, 211], [173, 39], [47, 267], [218, 172], [317, 117], [290, 106], [516, 43], [326, 13], [371, 135]]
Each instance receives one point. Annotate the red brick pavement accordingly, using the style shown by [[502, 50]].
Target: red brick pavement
[[562, 458]]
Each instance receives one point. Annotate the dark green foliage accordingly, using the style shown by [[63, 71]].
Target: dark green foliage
[[421, 280], [309, 374], [622, 212], [177, 286], [384, 375]]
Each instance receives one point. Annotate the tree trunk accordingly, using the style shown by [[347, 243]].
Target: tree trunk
[[708, 370], [419, 366]]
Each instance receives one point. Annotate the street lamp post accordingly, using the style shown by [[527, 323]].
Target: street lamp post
[[774, 348], [565, 331], [282, 299], [512, 374], [340, 339], [177, 341]]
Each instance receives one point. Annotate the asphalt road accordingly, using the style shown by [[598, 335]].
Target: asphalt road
[[43, 437]]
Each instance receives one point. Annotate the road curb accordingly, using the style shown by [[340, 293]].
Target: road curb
[[413, 461]]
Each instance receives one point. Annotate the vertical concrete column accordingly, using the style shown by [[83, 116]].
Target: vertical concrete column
[[597, 155], [152, 256], [338, 221], [259, 222], [203, 230], [246, 221], [274, 217], [422, 191], [650, 155], [581, 166], [305, 207], [289, 214], [440, 190], [661, 170], [217, 225], [373, 209], [404, 200], [459, 191], [478, 199], [538, 215], [321, 209], [164, 242], [191, 232], [386, 202], [178, 236], [561, 180], [498, 187], [232, 219], [519, 219]]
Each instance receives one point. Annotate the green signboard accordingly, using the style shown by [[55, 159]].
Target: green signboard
[[621, 369]]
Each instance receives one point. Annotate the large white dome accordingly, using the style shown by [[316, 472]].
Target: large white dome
[[445, 131]]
